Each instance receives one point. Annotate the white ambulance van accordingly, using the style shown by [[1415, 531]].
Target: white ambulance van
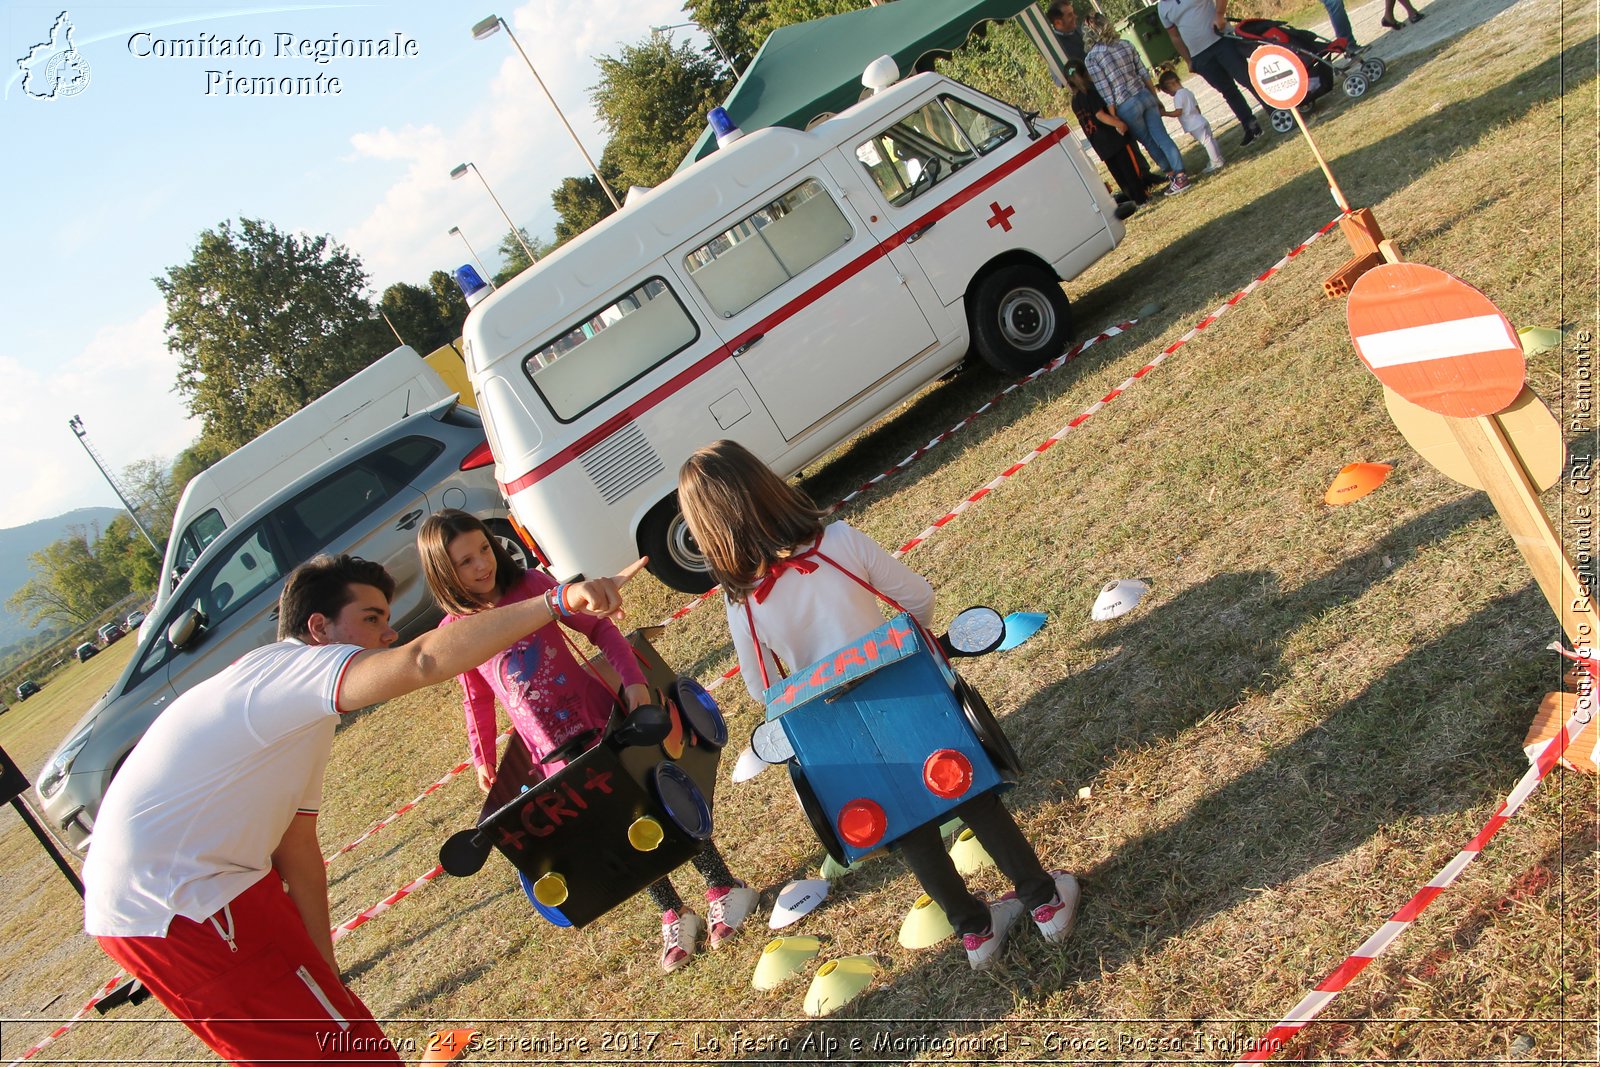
[[784, 291]]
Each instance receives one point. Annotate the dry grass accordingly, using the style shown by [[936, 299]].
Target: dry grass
[[1310, 714]]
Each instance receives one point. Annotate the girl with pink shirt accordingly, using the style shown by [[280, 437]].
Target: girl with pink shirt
[[552, 697]]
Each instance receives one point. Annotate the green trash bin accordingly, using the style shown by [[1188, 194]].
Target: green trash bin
[[1149, 38]]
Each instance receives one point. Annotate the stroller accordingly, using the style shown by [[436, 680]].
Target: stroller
[[1328, 62]]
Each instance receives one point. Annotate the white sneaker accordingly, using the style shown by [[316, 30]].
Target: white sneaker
[[984, 949], [726, 910], [1056, 919], [679, 935], [1213, 168]]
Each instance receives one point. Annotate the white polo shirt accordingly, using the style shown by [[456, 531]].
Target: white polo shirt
[[193, 816]]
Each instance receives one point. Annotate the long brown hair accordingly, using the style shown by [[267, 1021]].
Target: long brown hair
[[743, 516], [439, 570]]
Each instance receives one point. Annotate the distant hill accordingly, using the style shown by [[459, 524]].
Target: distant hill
[[19, 542]]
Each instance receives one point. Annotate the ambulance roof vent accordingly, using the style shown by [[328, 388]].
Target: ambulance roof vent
[[880, 74]]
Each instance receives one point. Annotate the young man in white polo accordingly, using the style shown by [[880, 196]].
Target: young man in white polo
[[205, 879]]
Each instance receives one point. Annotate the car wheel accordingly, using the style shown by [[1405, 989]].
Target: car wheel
[[987, 727], [506, 534], [820, 824], [1020, 319], [674, 557]]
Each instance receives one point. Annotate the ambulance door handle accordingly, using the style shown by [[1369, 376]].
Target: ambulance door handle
[[748, 345], [918, 233]]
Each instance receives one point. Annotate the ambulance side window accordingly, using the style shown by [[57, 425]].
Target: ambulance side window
[[615, 345], [762, 251], [927, 146]]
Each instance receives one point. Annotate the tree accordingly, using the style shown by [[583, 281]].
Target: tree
[[513, 257], [452, 304], [263, 323], [415, 312], [70, 583], [772, 15], [653, 98], [580, 202], [733, 25], [126, 557], [150, 481], [192, 460]]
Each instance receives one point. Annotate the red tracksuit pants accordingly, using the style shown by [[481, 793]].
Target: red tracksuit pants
[[266, 995]]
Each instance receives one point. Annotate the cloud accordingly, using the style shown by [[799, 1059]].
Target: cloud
[[512, 136], [120, 385]]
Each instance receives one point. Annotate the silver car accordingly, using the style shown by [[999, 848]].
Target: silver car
[[367, 502]]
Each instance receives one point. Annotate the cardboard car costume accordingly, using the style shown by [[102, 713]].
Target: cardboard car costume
[[630, 810]]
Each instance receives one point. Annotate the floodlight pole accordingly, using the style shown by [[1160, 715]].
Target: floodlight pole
[[459, 171], [723, 52], [455, 231], [487, 28], [75, 424]]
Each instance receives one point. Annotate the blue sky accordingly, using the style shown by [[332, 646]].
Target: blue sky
[[107, 188]]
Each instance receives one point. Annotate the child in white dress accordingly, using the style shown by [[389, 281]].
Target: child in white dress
[[1187, 111]]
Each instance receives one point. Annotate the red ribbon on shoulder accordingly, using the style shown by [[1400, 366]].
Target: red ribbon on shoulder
[[800, 561]]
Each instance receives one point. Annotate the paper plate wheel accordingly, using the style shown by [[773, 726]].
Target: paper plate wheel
[[837, 983], [781, 959], [1354, 481], [797, 899], [924, 925]]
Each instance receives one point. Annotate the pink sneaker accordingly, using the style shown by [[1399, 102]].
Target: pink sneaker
[[983, 949], [726, 909], [1056, 919], [679, 934]]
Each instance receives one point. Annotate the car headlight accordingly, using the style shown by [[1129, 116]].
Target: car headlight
[[55, 772]]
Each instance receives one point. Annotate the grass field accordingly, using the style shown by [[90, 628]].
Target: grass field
[[1310, 714]]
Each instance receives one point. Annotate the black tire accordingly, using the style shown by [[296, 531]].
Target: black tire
[[1020, 319], [816, 816], [987, 727], [674, 557], [681, 800], [520, 553]]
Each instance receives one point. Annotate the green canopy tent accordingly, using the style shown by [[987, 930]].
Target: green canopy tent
[[813, 69]]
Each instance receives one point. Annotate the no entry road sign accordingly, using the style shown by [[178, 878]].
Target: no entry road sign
[[1435, 340], [1279, 76]]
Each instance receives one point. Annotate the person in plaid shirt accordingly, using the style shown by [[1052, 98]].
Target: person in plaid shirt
[[1123, 81]]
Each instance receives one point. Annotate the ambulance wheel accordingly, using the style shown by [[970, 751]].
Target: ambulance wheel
[[1373, 69], [1020, 319], [674, 557], [820, 825], [507, 536], [1282, 121], [1355, 85], [992, 737]]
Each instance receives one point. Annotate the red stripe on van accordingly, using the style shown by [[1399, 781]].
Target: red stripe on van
[[787, 311]]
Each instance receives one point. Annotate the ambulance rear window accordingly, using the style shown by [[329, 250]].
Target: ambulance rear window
[[927, 146], [610, 348], [762, 251]]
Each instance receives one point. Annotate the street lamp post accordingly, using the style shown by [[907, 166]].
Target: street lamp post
[[515, 231], [723, 52], [455, 231], [487, 28]]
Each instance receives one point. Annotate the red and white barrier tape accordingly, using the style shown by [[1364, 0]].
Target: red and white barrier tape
[[347, 927], [872, 483], [1270, 1043], [458, 769], [50, 1038], [1088, 412]]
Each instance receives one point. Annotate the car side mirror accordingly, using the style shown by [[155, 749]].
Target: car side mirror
[[185, 628], [974, 632]]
